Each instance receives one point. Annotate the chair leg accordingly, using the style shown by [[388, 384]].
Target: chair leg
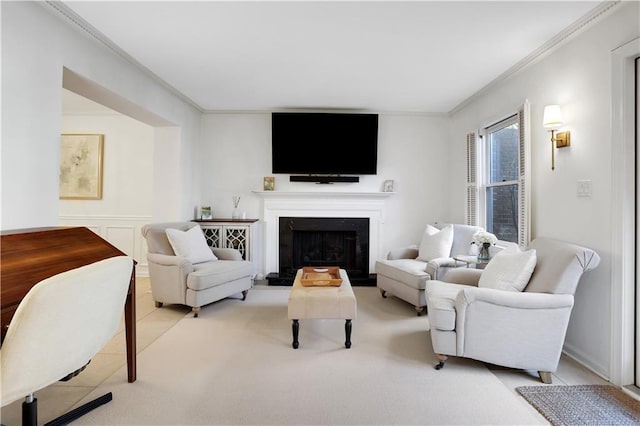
[[420, 310], [75, 414], [383, 293], [196, 311], [545, 377], [441, 360], [30, 411], [158, 304], [244, 294]]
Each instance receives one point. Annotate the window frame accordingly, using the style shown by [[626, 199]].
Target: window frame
[[477, 173]]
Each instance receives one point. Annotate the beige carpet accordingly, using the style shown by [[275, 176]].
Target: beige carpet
[[235, 365]]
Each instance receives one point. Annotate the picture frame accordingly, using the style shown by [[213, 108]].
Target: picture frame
[[205, 213], [269, 183], [387, 186], [81, 166]]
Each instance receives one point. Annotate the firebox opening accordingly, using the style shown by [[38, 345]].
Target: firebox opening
[[312, 241]]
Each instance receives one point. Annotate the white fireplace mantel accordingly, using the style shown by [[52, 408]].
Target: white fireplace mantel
[[321, 204]]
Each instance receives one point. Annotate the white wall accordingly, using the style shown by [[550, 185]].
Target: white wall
[[36, 44], [412, 150], [577, 76], [127, 196]]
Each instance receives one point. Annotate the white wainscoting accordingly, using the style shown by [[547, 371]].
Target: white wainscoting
[[121, 231]]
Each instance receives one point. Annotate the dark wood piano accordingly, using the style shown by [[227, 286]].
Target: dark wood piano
[[27, 256]]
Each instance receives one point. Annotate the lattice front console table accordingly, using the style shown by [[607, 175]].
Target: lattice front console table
[[240, 234]]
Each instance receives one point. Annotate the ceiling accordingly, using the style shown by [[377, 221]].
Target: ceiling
[[417, 56]]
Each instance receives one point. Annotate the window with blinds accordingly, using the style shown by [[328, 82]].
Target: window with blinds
[[498, 178]]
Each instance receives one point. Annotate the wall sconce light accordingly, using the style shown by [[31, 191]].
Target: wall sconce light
[[552, 120]]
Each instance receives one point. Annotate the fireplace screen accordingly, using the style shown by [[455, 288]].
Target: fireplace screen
[[342, 242]]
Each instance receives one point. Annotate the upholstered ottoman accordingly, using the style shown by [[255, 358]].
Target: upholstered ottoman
[[322, 303]]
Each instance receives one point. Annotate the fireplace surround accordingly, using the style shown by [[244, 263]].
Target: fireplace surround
[[320, 204]]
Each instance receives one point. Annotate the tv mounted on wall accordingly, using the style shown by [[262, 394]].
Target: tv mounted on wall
[[329, 144]]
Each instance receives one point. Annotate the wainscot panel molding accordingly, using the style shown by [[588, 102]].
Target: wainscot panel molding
[[278, 204], [124, 232]]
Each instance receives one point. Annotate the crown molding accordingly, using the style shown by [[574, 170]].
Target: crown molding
[[547, 48], [76, 20]]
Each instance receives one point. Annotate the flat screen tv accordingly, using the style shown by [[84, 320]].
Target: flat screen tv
[[324, 143]]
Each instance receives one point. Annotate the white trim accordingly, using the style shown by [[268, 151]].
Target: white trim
[[623, 213], [316, 204]]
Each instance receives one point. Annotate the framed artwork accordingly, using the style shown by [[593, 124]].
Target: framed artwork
[[269, 183], [205, 213], [388, 186], [81, 157]]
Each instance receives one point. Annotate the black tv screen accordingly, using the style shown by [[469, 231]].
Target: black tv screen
[[324, 143]]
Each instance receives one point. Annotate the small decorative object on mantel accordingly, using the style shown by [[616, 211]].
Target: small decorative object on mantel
[[236, 213], [205, 213], [484, 240], [387, 186], [269, 183]]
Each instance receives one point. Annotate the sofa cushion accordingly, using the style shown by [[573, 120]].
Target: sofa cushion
[[408, 271], [190, 244], [212, 274], [509, 270], [436, 243], [441, 302]]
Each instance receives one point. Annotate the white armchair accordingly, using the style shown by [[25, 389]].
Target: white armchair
[[486, 315], [197, 275], [405, 271]]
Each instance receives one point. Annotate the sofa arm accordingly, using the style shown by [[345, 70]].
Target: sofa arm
[[435, 266], [227, 253], [514, 329], [512, 299], [466, 276], [166, 260], [403, 253]]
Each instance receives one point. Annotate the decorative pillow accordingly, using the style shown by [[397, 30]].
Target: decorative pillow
[[435, 243], [509, 270], [190, 244]]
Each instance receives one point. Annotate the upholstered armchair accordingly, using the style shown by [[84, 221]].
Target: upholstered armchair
[[515, 312], [405, 271], [184, 270]]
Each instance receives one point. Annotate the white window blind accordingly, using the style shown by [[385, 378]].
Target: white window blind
[[472, 187]]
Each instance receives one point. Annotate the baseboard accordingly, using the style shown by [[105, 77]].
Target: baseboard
[[587, 362]]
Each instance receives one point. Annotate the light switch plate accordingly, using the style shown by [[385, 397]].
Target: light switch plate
[[584, 188]]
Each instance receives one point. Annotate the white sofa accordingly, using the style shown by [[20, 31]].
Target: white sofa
[[183, 280], [405, 275], [485, 314]]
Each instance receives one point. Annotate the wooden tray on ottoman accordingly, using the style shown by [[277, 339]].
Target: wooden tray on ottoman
[[328, 276]]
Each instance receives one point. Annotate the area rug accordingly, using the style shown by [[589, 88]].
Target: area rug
[[234, 365], [583, 404]]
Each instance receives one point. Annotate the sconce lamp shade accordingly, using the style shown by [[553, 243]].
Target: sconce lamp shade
[[552, 118]]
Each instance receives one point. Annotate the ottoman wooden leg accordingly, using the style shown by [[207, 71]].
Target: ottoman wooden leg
[[295, 328], [347, 333]]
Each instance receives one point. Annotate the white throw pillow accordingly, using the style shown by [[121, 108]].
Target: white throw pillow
[[190, 244], [509, 270], [435, 243]]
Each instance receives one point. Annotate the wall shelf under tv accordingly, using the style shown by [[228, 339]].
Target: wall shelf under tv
[[324, 179]]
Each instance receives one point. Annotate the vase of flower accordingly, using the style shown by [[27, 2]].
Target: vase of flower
[[483, 254], [236, 213], [484, 240]]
